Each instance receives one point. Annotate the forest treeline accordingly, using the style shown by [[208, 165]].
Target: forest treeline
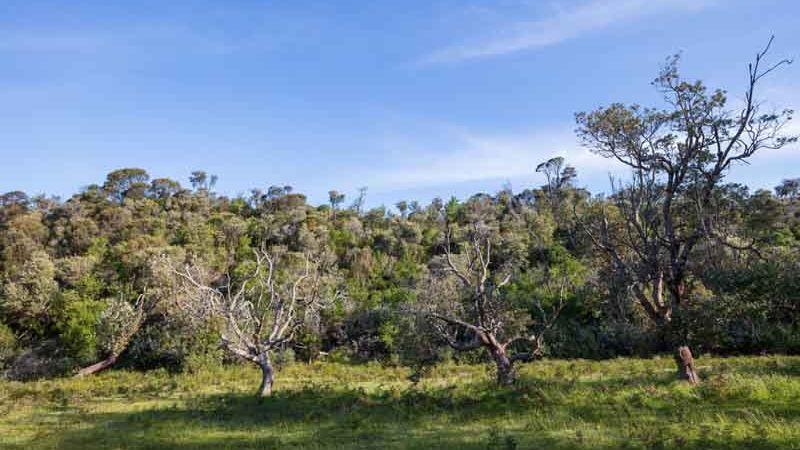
[[144, 272], [72, 270]]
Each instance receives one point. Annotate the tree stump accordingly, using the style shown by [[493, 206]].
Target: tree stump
[[686, 369]]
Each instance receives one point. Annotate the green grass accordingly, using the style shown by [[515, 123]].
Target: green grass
[[626, 403]]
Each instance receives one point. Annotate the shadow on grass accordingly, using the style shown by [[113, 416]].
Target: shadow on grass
[[470, 416]]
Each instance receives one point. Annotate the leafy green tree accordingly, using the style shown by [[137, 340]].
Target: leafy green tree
[[77, 324], [678, 157], [164, 188], [335, 198], [126, 183], [202, 181], [789, 188], [27, 297]]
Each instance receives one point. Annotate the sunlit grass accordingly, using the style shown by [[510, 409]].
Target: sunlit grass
[[624, 403]]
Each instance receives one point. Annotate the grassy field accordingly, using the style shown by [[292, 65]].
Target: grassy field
[[627, 403]]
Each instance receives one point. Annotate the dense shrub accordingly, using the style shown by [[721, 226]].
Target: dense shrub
[[71, 271], [8, 345]]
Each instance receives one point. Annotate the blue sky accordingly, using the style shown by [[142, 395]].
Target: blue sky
[[413, 99]]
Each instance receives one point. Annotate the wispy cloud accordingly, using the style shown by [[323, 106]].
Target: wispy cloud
[[439, 160], [466, 156], [563, 25], [777, 98]]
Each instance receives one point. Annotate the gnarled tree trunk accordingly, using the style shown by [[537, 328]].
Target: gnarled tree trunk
[[686, 369], [506, 375], [267, 376], [98, 366]]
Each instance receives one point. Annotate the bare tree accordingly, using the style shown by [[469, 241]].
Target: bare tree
[[466, 308], [259, 311], [361, 199], [678, 157]]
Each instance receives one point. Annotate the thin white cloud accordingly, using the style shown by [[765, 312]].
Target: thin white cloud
[[793, 128], [447, 156], [467, 156], [563, 25], [777, 98]]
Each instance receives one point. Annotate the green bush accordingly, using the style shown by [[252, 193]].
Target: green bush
[[8, 345], [77, 325], [174, 345]]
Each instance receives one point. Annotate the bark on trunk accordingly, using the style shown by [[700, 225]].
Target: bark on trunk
[[505, 368], [267, 377], [686, 369], [97, 367]]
